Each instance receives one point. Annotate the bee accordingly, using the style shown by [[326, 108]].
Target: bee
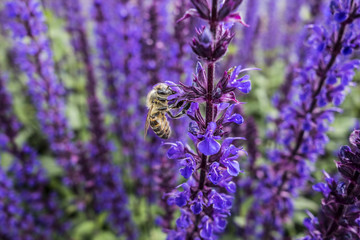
[[157, 103]]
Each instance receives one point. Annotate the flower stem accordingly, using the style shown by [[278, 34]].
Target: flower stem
[[210, 86], [213, 21]]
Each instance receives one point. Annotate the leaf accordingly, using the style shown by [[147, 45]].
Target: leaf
[[5, 160], [104, 236], [302, 203], [74, 116], [240, 221], [157, 234], [52, 168], [100, 221], [84, 229]]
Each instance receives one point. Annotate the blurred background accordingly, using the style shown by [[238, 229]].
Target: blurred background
[[74, 162]]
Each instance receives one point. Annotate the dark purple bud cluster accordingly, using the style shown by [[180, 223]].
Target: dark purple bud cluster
[[225, 13], [203, 45], [339, 216]]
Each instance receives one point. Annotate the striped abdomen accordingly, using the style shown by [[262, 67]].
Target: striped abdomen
[[160, 125]]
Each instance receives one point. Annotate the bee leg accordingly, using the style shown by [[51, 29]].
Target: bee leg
[[163, 108], [161, 99], [175, 116], [177, 105], [186, 107]]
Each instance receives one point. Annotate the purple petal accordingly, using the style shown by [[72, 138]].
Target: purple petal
[[233, 168], [189, 13], [186, 171], [211, 126], [206, 231], [323, 188], [181, 199], [236, 118], [231, 187], [196, 208], [209, 146]]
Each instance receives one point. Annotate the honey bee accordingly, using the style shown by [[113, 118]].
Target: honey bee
[[157, 103]]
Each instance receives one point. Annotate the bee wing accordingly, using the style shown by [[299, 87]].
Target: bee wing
[[147, 123]]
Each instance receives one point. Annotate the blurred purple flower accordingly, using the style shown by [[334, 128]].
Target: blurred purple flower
[[305, 118]]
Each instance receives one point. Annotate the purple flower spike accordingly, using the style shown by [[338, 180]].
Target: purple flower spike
[[322, 79], [209, 146], [210, 163]]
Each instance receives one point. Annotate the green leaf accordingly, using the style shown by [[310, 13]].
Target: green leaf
[[74, 116], [157, 234], [240, 221], [302, 203], [84, 229], [104, 236], [100, 221], [52, 168], [5, 160]]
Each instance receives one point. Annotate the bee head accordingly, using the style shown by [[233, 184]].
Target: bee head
[[163, 89]]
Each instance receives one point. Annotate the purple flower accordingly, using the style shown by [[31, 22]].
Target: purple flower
[[188, 164], [323, 188], [207, 229], [209, 146], [228, 159], [197, 205], [215, 173], [184, 221], [242, 83], [182, 197], [176, 150]]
